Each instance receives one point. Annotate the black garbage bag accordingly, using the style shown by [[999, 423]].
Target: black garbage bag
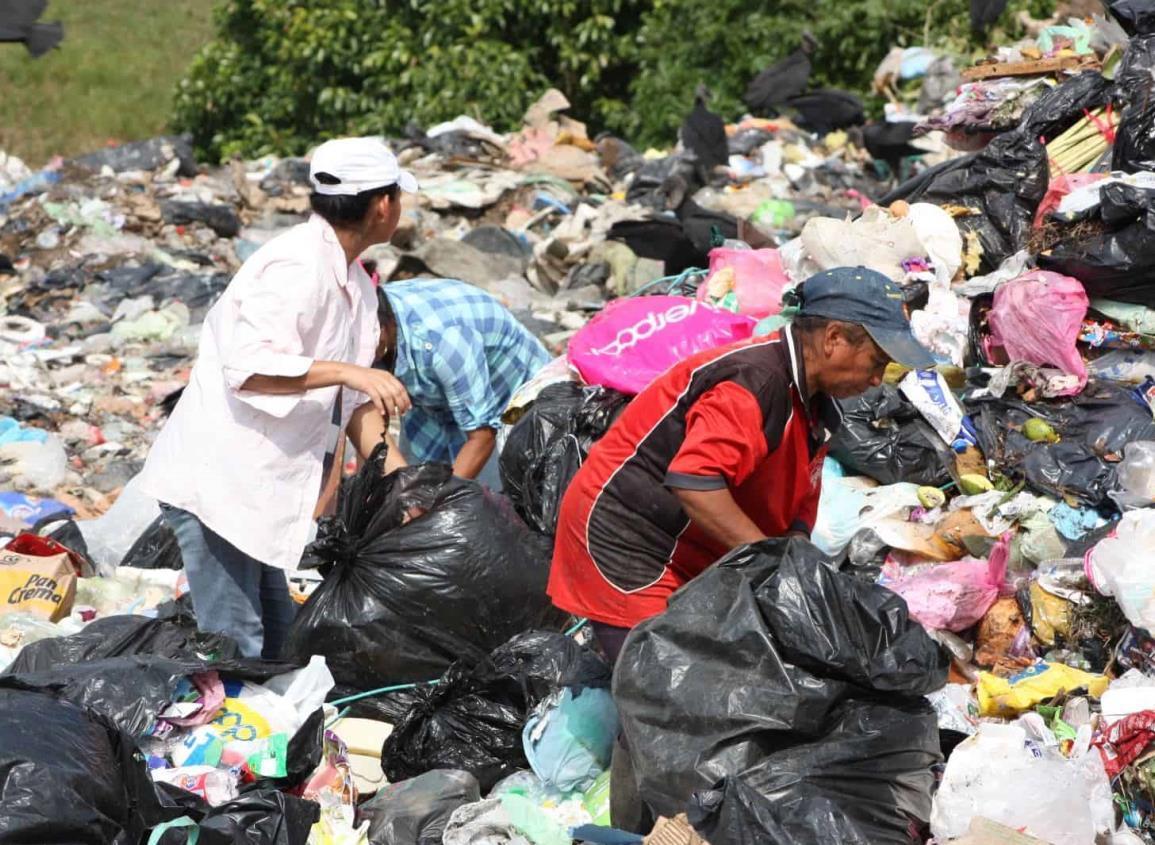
[[1094, 428], [1066, 104], [985, 12], [173, 636], [266, 817], [1116, 261], [884, 437], [473, 718], [67, 777], [1137, 17], [416, 811], [547, 446], [144, 155], [405, 599], [1134, 146], [805, 682], [735, 814], [155, 548], [221, 218], [1003, 184]]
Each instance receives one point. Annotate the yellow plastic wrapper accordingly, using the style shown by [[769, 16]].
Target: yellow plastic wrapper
[[1050, 615], [1011, 696]]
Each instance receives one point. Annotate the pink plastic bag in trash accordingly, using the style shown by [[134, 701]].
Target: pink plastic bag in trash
[[756, 279], [635, 340], [951, 596], [1037, 318]]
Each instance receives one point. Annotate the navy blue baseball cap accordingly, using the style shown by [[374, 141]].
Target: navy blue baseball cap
[[867, 298]]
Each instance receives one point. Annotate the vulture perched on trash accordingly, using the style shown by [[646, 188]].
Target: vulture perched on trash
[[776, 84], [890, 142], [704, 134], [826, 110]]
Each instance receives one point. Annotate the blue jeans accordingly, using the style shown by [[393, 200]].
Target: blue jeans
[[232, 593]]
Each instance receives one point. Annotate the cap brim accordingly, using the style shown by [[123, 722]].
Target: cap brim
[[901, 346], [408, 182]]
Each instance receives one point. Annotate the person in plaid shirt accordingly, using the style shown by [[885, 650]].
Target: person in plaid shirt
[[460, 354]]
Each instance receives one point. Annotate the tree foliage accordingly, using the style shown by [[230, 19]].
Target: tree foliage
[[282, 75]]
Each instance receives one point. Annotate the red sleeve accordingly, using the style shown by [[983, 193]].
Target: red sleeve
[[725, 440]]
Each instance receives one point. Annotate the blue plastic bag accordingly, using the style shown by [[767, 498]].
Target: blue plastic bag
[[570, 738]]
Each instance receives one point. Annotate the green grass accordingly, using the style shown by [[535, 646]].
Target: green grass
[[111, 79]]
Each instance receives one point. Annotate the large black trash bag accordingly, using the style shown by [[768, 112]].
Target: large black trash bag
[[1116, 261], [473, 718], [1003, 184], [548, 445], [416, 811], [404, 600], [1066, 104], [736, 814], [67, 777], [805, 682], [265, 817], [1137, 17], [126, 668], [1094, 426], [884, 437], [155, 548], [1134, 146], [174, 635]]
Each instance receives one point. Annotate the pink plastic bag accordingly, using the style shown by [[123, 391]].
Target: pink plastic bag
[[757, 283], [635, 340], [951, 596], [1037, 318]]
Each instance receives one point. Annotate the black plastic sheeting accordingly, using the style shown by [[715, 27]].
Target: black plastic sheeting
[[405, 600], [1137, 17], [1094, 428], [67, 776], [1134, 147], [416, 811], [1006, 181], [547, 446], [126, 668], [472, 719], [885, 437], [155, 548], [802, 681]]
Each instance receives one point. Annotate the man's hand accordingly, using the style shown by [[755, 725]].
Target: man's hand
[[386, 393]]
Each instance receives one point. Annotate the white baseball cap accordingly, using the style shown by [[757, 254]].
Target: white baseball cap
[[359, 164]]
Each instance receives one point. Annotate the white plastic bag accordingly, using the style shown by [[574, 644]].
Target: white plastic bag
[[850, 504], [1120, 566], [109, 537], [42, 465], [1136, 476], [997, 775]]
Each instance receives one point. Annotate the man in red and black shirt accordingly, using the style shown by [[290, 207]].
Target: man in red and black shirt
[[723, 449]]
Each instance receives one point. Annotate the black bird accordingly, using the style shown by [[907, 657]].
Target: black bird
[[776, 84], [827, 109], [890, 142], [704, 134], [18, 23]]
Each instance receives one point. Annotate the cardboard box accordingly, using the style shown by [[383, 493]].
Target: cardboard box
[[43, 585]]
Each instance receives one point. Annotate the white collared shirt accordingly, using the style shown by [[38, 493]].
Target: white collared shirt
[[248, 464]]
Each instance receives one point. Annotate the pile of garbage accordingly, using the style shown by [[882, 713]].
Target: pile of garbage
[[964, 650]]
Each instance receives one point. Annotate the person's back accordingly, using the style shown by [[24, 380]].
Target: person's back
[[461, 355]]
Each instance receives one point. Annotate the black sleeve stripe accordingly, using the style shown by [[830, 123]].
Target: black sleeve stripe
[[694, 482]]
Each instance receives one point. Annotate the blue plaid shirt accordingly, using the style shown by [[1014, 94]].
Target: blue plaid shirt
[[461, 355]]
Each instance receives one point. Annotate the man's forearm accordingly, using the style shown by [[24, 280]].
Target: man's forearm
[[320, 374], [716, 513], [475, 453]]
